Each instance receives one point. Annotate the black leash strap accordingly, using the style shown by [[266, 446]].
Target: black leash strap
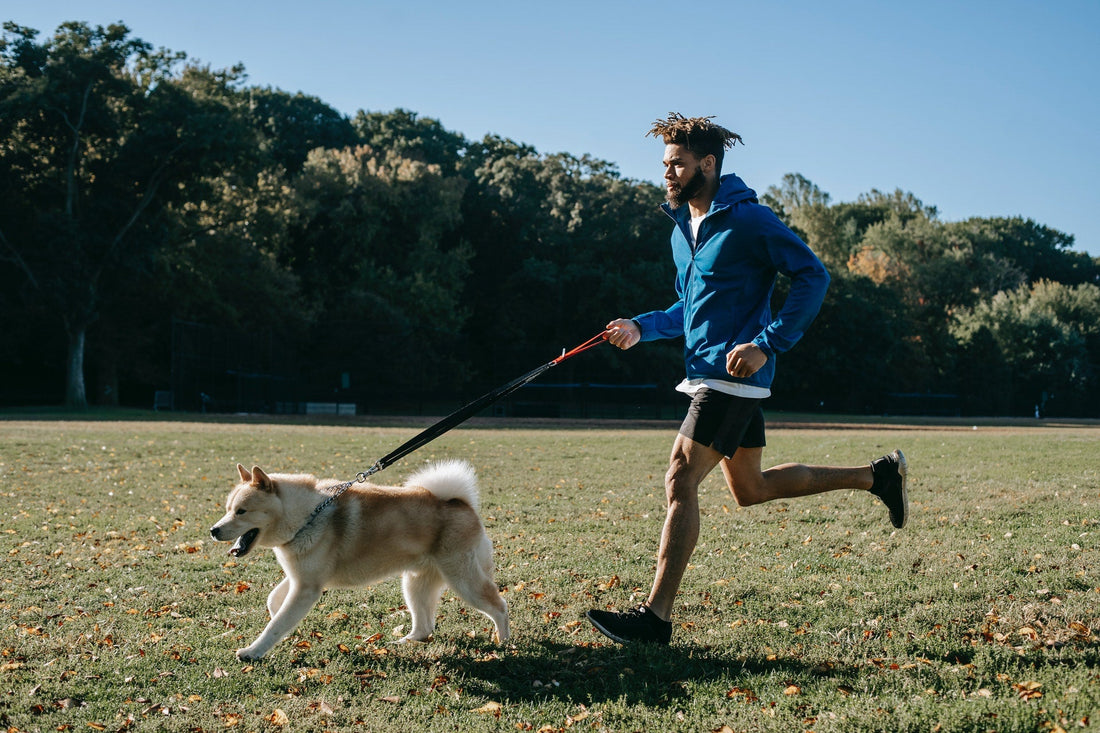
[[464, 413], [455, 418]]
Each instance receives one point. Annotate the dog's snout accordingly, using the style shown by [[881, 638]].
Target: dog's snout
[[216, 532]]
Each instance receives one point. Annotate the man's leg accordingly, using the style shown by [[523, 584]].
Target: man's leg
[[749, 485], [689, 465], [884, 477]]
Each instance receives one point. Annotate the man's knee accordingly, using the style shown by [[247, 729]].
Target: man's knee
[[680, 485], [745, 491]]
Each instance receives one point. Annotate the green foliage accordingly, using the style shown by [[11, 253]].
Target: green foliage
[[1046, 336], [100, 141], [855, 309], [291, 125], [407, 134], [120, 613], [375, 265], [945, 279], [569, 245], [1039, 252], [141, 188]]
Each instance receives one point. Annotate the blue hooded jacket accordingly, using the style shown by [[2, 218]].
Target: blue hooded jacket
[[724, 285]]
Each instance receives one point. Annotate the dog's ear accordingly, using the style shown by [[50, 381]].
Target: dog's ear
[[245, 475], [261, 480]]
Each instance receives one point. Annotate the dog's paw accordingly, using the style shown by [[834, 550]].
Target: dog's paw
[[410, 639], [249, 654]]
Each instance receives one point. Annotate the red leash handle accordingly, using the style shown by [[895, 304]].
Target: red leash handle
[[589, 344]]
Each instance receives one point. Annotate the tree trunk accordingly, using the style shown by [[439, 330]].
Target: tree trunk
[[75, 396]]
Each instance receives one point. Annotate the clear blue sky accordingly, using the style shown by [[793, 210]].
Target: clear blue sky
[[978, 108]]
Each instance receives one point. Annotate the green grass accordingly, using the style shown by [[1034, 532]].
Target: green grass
[[119, 613]]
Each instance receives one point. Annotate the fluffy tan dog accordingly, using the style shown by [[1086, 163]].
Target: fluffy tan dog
[[427, 530]]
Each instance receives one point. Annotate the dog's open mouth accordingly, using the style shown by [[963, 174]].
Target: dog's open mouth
[[243, 544]]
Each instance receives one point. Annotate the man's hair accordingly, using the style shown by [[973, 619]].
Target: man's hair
[[698, 134]]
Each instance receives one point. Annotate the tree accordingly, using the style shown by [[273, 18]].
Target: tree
[[294, 124], [1044, 335], [101, 138], [859, 348], [411, 136], [370, 251], [563, 245], [1038, 252]]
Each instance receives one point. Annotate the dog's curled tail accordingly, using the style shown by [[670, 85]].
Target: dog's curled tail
[[453, 479]]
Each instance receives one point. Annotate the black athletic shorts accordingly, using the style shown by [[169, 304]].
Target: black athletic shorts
[[724, 422]]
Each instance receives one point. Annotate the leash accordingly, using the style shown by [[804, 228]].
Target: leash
[[455, 418]]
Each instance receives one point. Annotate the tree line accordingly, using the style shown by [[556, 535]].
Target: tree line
[[382, 256]]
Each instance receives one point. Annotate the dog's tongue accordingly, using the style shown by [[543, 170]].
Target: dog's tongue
[[243, 544]]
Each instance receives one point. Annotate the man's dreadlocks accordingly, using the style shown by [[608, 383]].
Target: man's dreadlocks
[[697, 134]]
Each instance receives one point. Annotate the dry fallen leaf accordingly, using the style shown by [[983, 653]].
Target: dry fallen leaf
[[1029, 690], [279, 717], [747, 695], [571, 719], [490, 707]]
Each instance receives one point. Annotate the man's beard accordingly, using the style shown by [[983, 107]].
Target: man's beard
[[677, 197]]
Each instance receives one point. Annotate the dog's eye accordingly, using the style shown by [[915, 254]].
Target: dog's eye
[[240, 511]]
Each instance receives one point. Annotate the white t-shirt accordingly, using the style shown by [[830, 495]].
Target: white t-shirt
[[691, 386], [695, 222]]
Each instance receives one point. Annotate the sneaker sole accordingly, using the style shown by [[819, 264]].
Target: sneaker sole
[[903, 471]]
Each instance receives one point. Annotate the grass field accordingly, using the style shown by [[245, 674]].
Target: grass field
[[119, 613]]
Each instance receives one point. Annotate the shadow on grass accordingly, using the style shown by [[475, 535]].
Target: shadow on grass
[[599, 672]]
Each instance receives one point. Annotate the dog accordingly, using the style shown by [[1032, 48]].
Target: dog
[[428, 531]]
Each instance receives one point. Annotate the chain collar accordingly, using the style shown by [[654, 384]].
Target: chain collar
[[360, 477]]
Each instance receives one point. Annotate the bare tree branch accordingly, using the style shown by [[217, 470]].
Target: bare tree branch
[[74, 152], [19, 261]]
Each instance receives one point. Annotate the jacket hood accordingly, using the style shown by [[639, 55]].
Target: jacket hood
[[732, 190]]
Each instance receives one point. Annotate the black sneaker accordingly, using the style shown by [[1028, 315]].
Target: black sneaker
[[889, 486], [637, 624]]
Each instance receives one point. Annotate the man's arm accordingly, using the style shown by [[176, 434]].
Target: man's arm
[[809, 282], [666, 324]]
